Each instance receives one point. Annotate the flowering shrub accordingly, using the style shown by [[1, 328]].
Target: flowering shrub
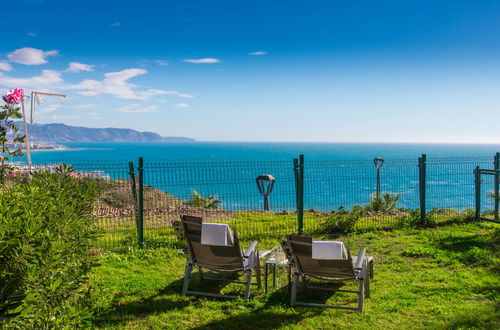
[[8, 113]]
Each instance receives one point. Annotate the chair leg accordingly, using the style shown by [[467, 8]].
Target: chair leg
[[361, 295], [304, 283], [289, 278], [249, 284], [367, 287], [265, 277], [295, 284], [259, 275], [187, 277]]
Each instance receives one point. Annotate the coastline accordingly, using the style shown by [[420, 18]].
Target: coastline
[[42, 146], [52, 149]]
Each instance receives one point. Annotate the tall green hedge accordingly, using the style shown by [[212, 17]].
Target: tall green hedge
[[46, 235]]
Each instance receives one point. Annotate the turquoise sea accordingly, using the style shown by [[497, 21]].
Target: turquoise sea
[[261, 151], [336, 174]]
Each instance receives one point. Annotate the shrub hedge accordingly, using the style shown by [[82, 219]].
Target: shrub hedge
[[46, 235]]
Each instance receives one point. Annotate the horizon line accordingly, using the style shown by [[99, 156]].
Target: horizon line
[[303, 142]]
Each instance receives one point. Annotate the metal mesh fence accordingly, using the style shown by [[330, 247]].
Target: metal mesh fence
[[488, 209], [450, 183], [330, 185], [227, 192], [219, 192]]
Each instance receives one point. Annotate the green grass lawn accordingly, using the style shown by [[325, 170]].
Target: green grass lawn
[[444, 277]]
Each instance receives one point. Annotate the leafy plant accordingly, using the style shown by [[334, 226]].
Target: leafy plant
[[9, 112], [386, 203], [210, 202], [64, 169], [11, 297], [468, 215], [46, 233], [410, 218]]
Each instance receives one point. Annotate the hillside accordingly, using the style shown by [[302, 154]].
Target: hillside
[[65, 133]]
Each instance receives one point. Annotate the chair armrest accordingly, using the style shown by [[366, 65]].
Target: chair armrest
[[359, 260], [250, 249]]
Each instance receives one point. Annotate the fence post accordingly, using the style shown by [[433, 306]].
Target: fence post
[[134, 194], [141, 202], [296, 176], [300, 211], [477, 186], [496, 165], [422, 173]]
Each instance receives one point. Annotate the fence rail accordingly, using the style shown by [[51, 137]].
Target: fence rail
[[141, 199]]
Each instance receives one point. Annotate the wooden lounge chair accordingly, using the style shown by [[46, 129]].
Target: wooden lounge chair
[[218, 259], [350, 269]]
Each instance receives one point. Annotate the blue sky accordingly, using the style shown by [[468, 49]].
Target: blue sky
[[326, 71]]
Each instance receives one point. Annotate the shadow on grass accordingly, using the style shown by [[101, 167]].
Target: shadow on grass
[[265, 316], [469, 321], [121, 313], [487, 242], [475, 250]]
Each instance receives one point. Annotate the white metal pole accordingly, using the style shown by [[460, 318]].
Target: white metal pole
[[28, 149]]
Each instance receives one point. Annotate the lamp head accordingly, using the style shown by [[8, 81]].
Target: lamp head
[[378, 162], [263, 181]]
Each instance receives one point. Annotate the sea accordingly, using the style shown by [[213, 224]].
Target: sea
[[336, 174], [261, 151]]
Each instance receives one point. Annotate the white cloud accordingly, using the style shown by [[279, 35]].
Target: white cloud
[[114, 83], [46, 79], [137, 108], [83, 106], [257, 53], [5, 66], [115, 24], [32, 34], [144, 95], [161, 62], [30, 56], [182, 105], [78, 67], [206, 60]]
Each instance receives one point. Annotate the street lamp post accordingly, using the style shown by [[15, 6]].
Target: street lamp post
[[265, 184], [378, 162]]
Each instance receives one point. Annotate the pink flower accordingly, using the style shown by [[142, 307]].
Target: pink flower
[[14, 96], [19, 92]]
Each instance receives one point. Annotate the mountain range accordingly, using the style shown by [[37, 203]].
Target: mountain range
[[54, 133]]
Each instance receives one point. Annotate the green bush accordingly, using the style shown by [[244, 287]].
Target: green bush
[[341, 222], [385, 203], [46, 235], [410, 219], [467, 215], [210, 202]]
